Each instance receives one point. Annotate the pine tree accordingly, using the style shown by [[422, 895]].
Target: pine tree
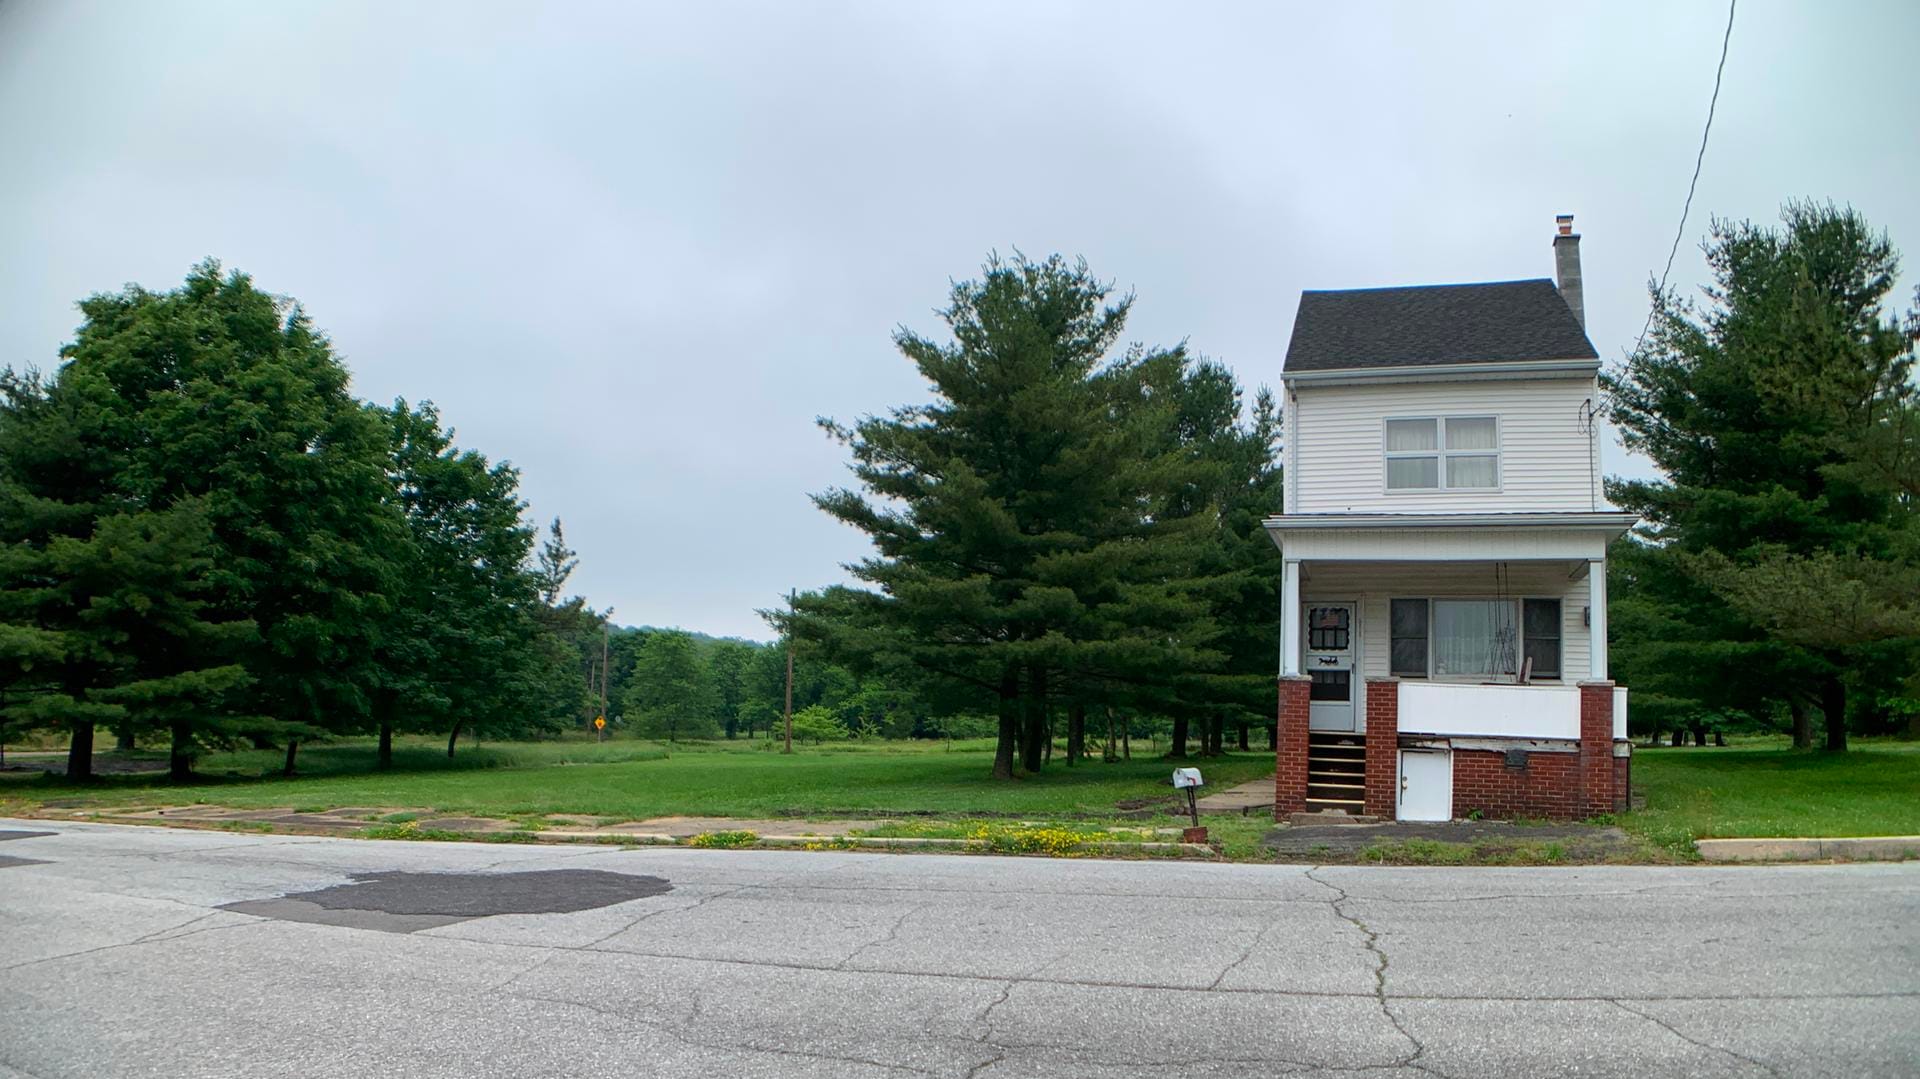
[[1032, 549], [557, 563], [219, 392], [1778, 412], [104, 610]]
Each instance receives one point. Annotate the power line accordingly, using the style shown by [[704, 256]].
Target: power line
[[1681, 232]]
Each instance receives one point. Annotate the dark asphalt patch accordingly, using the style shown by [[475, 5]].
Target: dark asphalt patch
[[20, 833], [408, 902], [8, 861]]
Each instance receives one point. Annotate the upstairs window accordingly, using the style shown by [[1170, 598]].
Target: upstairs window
[[1447, 453]]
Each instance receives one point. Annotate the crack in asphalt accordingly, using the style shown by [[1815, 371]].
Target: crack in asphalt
[[591, 946], [1676, 1032], [685, 1037], [158, 936], [893, 934], [1381, 961], [1024, 979], [985, 1038], [1244, 956]]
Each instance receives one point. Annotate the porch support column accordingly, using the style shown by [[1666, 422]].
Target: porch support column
[[1290, 747], [1596, 749], [1290, 618], [1383, 747], [1597, 620]]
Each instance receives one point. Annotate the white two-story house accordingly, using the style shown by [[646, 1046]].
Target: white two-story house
[[1444, 612]]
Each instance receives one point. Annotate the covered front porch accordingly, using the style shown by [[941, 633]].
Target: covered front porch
[[1429, 670]]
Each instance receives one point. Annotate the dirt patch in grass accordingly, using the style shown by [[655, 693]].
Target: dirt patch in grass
[[1459, 843]]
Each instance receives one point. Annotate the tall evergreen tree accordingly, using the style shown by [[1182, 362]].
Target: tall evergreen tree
[[105, 592], [220, 392], [1772, 410], [1019, 553]]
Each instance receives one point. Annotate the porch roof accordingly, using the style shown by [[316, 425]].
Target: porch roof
[[1616, 521], [1447, 537]]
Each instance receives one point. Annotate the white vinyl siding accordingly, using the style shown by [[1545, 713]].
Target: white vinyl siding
[[1546, 448]]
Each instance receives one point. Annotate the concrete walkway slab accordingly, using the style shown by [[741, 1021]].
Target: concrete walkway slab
[[1256, 794]]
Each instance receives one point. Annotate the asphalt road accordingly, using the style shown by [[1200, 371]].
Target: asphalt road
[[118, 959]]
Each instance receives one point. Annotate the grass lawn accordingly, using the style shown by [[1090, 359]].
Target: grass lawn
[[629, 779], [1766, 788]]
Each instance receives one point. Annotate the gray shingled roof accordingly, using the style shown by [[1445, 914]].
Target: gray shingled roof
[[1435, 324]]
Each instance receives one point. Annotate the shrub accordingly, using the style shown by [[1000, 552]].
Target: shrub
[[818, 724]]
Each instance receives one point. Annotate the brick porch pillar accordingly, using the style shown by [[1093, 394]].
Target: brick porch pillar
[[1383, 746], [1290, 747], [1596, 749]]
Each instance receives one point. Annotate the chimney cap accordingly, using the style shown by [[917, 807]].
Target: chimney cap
[[1565, 221]]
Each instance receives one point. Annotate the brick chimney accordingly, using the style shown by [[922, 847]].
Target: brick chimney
[[1566, 267]]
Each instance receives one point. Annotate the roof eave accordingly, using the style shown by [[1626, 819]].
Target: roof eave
[[1444, 372]]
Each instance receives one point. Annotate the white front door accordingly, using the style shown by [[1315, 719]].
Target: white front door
[[1426, 785], [1329, 643]]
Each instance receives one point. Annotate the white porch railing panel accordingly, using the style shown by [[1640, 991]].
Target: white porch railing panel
[[1484, 711], [1619, 712]]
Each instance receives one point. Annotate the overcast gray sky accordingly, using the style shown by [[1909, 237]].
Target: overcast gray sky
[[636, 249]]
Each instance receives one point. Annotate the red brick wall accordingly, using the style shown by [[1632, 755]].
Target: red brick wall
[[1547, 786], [1383, 746], [1622, 783], [1290, 748], [1596, 748]]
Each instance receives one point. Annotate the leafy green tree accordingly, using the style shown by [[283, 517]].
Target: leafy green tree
[[1779, 411], [461, 648], [727, 667], [669, 695]]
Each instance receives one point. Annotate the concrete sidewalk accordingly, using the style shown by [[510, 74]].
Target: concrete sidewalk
[[1245, 799]]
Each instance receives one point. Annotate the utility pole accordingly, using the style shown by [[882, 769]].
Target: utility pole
[[606, 636], [789, 635]]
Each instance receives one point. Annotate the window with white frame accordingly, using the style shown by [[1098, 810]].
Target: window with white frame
[[1484, 640], [1443, 453]]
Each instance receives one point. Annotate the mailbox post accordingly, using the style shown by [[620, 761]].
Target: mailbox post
[[1188, 779]]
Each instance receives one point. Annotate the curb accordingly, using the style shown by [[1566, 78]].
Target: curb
[[1874, 847]]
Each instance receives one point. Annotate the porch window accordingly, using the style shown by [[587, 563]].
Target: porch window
[[1330, 686], [1451, 453], [1408, 632], [1542, 626], [1473, 638], [1328, 629]]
